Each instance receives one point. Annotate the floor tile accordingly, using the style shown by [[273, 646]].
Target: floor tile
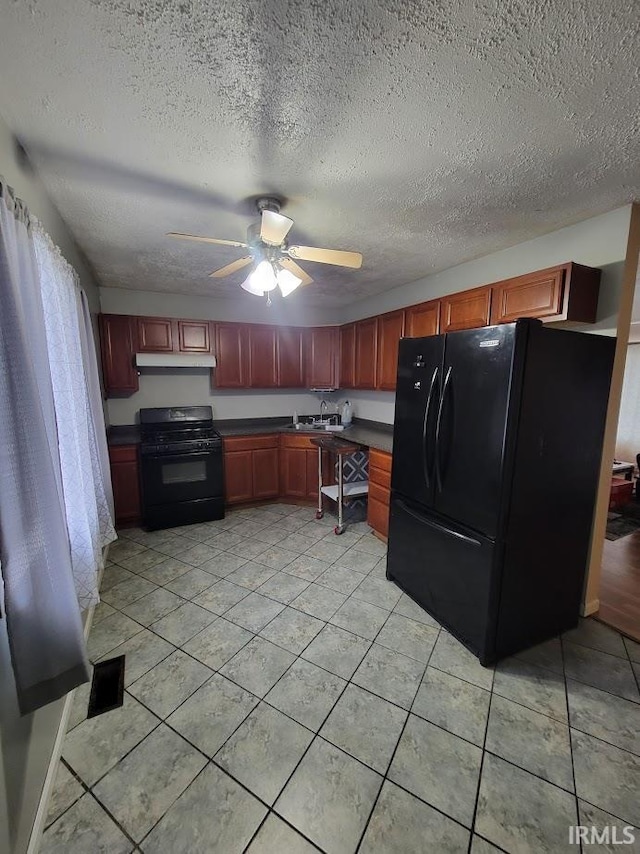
[[223, 564], [481, 846], [66, 791], [128, 591], [170, 569], [347, 538], [530, 740], [531, 686], [95, 745], [329, 798], [292, 525], [547, 655], [360, 617], [169, 683], [250, 549], [276, 837], [216, 644], [408, 637], [141, 561], [258, 666], [122, 549], [450, 656], [340, 579], [175, 547], [401, 824], [252, 526], [591, 816], [380, 568], [610, 718], [389, 674], [358, 561], [292, 630], [327, 551], [633, 649], [408, 608], [213, 816], [251, 575], [338, 651], [591, 633], [306, 693], [183, 623], [297, 543], [153, 606], [272, 535], [141, 788], [102, 610], [438, 767], [142, 652], [521, 813], [306, 567], [276, 557], [601, 670], [221, 596], [110, 633], [85, 827], [370, 544], [453, 704], [225, 540], [210, 716], [378, 591], [319, 601], [80, 703], [607, 777], [198, 532], [314, 531], [199, 553], [365, 726], [254, 612], [283, 587], [263, 752]]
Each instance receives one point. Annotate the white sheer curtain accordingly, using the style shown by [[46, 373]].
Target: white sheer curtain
[[86, 485]]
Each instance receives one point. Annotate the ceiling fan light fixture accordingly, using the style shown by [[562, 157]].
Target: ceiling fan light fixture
[[287, 282], [261, 280]]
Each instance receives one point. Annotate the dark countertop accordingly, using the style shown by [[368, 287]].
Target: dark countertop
[[372, 434]]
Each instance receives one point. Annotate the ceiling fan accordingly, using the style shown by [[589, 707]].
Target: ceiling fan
[[274, 260]]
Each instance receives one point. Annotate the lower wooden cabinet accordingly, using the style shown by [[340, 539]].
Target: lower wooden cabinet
[[264, 471], [250, 468], [299, 468], [379, 492], [125, 479]]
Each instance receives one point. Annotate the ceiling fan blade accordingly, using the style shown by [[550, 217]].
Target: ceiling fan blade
[[326, 256], [205, 239], [231, 268], [294, 268], [274, 227]]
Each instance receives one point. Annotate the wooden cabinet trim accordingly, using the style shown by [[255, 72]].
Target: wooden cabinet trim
[[187, 328], [466, 310], [422, 319], [155, 335], [380, 459]]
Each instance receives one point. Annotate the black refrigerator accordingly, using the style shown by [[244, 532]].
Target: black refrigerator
[[496, 456]]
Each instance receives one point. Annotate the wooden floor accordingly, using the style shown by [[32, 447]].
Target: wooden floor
[[620, 585]]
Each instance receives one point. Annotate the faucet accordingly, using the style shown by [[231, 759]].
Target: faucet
[[323, 409]]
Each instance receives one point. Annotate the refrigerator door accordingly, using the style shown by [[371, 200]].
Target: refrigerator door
[[471, 426], [446, 569], [417, 395]]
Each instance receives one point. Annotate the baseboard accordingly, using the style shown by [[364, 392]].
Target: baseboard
[[590, 608]]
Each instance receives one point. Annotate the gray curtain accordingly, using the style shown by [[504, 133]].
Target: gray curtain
[[41, 609]]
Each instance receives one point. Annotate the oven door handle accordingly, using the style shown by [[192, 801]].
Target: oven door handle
[[206, 452]]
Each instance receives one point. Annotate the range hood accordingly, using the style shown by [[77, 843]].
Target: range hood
[[175, 360]]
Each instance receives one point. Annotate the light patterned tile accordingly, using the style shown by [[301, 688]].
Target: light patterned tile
[[66, 791], [168, 570], [110, 633], [292, 630], [453, 704], [408, 637], [82, 828], [182, 624], [254, 612], [193, 582], [338, 651], [283, 587], [154, 605], [390, 675], [223, 564], [320, 602], [169, 683], [220, 596], [257, 666], [142, 652], [251, 575], [359, 617], [306, 693], [216, 644], [126, 592]]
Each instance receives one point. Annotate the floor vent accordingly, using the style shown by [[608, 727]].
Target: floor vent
[[107, 686]]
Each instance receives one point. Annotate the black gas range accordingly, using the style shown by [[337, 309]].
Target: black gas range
[[181, 464]]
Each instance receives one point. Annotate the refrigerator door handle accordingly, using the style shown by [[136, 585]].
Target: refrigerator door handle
[[441, 528], [443, 396], [425, 424]]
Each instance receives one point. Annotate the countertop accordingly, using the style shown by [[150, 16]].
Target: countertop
[[372, 434]]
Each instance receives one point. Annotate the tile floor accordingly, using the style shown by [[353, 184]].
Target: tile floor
[[282, 697]]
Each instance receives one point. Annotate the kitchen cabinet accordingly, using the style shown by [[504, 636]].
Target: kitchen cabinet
[[366, 349], [347, 355], [567, 292], [293, 472], [232, 356], [238, 476], [390, 331], [290, 357], [194, 336], [422, 319], [299, 468], [465, 310], [125, 480], [321, 357], [250, 468], [155, 335], [379, 492], [262, 357], [118, 345], [264, 471]]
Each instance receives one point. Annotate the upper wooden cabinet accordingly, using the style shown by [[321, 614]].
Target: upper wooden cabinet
[[390, 331], [155, 335], [566, 292], [194, 336], [347, 355], [262, 356], [366, 353], [118, 334], [164, 335], [290, 357], [422, 319], [466, 310], [232, 356], [321, 357]]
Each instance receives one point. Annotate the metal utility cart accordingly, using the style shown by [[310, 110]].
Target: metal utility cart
[[337, 492]]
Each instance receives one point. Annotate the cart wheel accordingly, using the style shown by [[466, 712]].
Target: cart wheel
[[319, 514], [339, 529]]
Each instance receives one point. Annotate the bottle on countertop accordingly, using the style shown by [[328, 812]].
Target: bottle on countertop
[[347, 413], [295, 417]]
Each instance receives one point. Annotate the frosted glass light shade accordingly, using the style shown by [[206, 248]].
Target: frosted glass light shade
[[261, 280], [287, 282]]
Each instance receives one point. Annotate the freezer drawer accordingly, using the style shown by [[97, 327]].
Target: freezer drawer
[[447, 570]]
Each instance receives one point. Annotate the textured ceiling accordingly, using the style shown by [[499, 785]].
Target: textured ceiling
[[420, 132]]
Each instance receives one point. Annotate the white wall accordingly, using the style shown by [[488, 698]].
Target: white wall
[[628, 437]]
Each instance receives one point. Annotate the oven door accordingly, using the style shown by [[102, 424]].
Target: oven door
[[172, 478]]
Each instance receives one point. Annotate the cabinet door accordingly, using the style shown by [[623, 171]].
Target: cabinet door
[[238, 476], [265, 473], [262, 357], [536, 295], [155, 335], [466, 310], [423, 319], [194, 336], [126, 484], [293, 472], [347, 355], [390, 331], [232, 355], [321, 357], [378, 509], [290, 357], [366, 353], [118, 345]]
